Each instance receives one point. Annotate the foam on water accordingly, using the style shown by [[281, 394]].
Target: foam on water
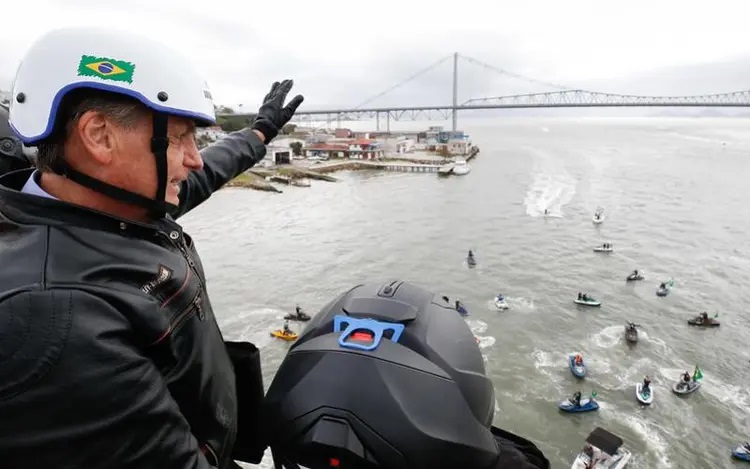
[[551, 188]]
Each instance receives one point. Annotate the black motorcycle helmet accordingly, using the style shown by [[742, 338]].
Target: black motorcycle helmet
[[386, 376], [13, 154]]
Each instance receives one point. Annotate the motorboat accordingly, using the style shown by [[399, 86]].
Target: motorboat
[[461, 167], [603, 450]]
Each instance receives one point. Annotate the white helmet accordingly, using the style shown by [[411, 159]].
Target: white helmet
[[66, 59]]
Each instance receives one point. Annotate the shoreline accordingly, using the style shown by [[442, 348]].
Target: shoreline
[[299, 175]]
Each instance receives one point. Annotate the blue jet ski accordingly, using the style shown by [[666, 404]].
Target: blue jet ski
[[579, 371], [587, 405], [461, 309], [742, 452]]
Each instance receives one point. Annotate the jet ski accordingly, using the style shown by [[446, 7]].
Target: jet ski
[[588, 302], [598, 217], [579, 371], [609, 248], [301, 316], [664, 291], [742, 452], [704, 322], [500, 302], [471, 261], [683, 388], [680, 387], [631, 332], [587, 405], [644, 397], [281, 334], [633, 277]]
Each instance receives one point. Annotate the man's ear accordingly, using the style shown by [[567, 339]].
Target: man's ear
[[95, 134]]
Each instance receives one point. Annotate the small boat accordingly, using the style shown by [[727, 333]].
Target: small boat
[[742, 452], [631, 332], [603, 450], [589, 301], [281, 334], [607, 248], [644, 397], [500, 302], [587, 404], [461, 167], [702, 321], [598, 217], [579, 371]]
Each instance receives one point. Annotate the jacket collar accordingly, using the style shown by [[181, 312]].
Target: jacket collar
[[29, 209]]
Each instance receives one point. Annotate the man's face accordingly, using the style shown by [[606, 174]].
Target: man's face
[[134, 164]]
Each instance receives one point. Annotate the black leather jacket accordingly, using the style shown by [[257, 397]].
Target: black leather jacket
[[110, 354]]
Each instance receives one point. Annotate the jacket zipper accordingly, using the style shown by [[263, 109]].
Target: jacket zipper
[[215, 457], [189, 311], [183, 250]]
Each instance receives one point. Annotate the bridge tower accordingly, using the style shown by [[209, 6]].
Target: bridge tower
[[454, 112]]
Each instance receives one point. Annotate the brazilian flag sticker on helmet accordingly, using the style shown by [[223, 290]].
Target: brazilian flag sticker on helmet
[[106, 68]]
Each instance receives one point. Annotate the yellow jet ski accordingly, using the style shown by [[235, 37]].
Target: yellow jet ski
[[280, 334]]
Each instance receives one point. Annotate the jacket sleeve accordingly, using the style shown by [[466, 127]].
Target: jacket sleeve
[[222, 162], [517, 452], [78, 392]]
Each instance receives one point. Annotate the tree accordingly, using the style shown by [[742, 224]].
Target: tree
[[296, 148], [223, 109], [232, 123], [288, 129]]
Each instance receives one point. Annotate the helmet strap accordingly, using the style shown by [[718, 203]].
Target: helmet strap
[[157, 207], [159, 145]]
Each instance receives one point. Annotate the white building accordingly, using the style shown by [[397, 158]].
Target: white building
[[276, 154], [459, 147]]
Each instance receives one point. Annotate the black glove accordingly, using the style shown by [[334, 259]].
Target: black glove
[[273, 115]]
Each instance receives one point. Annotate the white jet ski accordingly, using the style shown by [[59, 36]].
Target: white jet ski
[[645, 398]]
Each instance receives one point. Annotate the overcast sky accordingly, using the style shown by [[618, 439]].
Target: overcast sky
[[340, 53]]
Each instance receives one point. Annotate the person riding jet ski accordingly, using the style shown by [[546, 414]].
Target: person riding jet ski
[[646, 385], [576, 400]]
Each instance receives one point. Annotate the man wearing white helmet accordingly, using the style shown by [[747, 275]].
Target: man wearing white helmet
[[111, 356]]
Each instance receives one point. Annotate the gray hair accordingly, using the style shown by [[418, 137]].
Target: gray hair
[[123, 110]]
